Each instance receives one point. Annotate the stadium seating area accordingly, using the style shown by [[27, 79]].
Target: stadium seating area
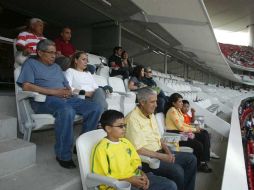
[[246, 112], [239, 55]]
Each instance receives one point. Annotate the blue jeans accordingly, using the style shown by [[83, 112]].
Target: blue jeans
[[64, 111], [182, 172], [158, 183], [99, 97]]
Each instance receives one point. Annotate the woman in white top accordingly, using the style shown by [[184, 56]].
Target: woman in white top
[[82, 82]]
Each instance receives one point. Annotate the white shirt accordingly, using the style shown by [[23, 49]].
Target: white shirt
[[80, 80]]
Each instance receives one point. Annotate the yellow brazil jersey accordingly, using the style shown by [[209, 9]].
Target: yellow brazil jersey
[[115, 159]]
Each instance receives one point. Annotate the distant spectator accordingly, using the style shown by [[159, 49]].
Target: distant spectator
[[28, 40], [65, 48], [115, 62], [114, 156], [82, 82], [126, 62], [63, 43], [162, 99], [136, 81]]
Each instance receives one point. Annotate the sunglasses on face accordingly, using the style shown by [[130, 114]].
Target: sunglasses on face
[[149, 71], [120, 126]]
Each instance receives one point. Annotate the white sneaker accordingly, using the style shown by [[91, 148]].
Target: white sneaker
[[213, 155]]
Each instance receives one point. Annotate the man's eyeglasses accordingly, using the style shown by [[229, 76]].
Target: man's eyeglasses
[[49, 52], [149, 71], [120, 126]]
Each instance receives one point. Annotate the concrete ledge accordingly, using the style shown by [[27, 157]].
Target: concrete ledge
[[8, 126], [16, 154]]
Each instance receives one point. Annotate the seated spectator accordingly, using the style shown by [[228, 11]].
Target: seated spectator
[[27, 40], [115, 63], [203, 136], [175, 123], [162, 99], [64, 46], [136, 82], [114, 156], [126, 62], [143, 132], [42, 75], [82, 82]]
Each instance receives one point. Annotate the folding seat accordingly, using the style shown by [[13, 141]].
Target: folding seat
[[28, 121], [85, 144], [103, 71], [129, 98], [170, 137], [113, 99]]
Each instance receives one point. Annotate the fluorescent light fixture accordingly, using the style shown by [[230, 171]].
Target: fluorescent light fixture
[[161, 53], [156, 52], [106, 2], [157, 36]]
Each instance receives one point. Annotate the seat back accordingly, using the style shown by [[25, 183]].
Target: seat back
[[95, 59], [84, 146], [103, 71], [27, 119], [23, 107], [117, 84], [100, 80], [161, 122]]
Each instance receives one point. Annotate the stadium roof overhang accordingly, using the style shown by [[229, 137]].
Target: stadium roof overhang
[[189, 23], [231, 15]]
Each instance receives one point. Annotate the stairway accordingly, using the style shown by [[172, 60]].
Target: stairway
[[19, 167]]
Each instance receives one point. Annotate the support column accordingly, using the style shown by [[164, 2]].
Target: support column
[[187, 71], [119, 34], [251, 34], [166, 63]]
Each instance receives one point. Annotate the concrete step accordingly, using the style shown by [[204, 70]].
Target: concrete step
[[46, 174], [43, 176], [8, 104], [8, 126], [15, 154]]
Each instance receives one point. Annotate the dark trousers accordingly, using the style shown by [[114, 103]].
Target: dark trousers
[[182, 172]]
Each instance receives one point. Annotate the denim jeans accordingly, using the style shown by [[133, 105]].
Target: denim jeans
[[182, 172], [99, 97], [158, 183], [64, 111]]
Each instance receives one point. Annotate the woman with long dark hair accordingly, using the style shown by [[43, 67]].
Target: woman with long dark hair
[[175, 123]]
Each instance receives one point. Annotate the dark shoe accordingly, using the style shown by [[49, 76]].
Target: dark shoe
[[66, 164], [204, 168]]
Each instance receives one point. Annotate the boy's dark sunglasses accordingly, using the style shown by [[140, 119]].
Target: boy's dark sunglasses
[[120, 126]]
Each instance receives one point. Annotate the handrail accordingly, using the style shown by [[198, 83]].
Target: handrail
[[234, 177], [6, 40]]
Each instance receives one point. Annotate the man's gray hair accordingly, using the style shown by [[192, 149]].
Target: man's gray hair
[[44, 44], [144, 93]]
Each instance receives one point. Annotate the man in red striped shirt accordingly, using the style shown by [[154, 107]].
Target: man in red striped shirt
[[28, 40]]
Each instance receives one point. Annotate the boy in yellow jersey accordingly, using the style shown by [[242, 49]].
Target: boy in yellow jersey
[[115, 156]]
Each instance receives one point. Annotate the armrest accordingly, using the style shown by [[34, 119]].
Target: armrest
[[152, 162], [28, 94], [94, 180], [172, 137]]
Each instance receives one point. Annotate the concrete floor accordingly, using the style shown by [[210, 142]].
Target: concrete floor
[[46, 174]]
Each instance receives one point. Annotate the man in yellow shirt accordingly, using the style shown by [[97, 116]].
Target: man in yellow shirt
[[115, 156], [142, 131]]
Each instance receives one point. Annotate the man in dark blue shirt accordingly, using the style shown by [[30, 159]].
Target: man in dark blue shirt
[[42, 75]]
